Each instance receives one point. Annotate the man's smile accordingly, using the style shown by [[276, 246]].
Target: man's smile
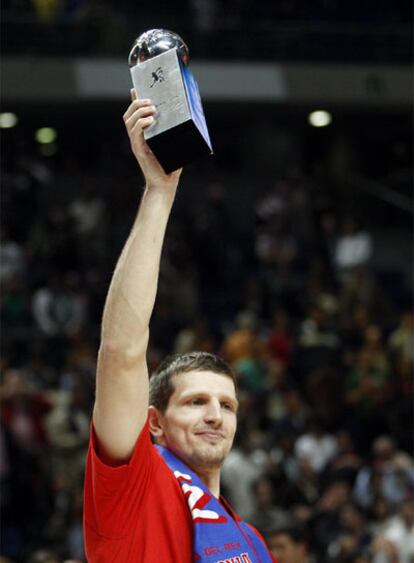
[[210, 434]]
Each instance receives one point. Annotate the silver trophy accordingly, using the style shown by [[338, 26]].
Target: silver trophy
[[158, 63]]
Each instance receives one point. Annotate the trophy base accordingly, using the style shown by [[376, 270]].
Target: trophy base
[[179, 146], [179, 134]]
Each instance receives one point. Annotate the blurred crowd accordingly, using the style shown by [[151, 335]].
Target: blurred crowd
[[205, 12], [322, 347], [283, 30]]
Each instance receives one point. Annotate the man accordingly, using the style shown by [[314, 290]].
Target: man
[[288, 544], [158, 503]]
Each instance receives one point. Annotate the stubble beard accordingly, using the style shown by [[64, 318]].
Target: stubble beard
[[209, 456]]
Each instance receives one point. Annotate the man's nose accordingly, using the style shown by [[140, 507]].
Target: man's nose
[[213, 414]]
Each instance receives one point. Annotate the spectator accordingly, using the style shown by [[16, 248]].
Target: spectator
[[59, 308], [195, 336], [266, 514], [242, 342], [346, 462], [67, 428], [401, 344], [367, 390], [43, 556], [243, 466], [400, 532], [384, 550], [57, 239], [361, 287], [296, 412], [353, 527], [23, 412], [15, 306], [27, 473], [380, 513], [355, 327], [87, 212], [289, 544], [353, 248], [390, 475], [315, 331], [280, 340], [12, 258], [325, 522], [316, 446], [245, 350], [306, 482], [318, 343]]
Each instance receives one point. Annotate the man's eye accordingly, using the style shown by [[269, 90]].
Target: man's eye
[[195, 402], [227, 406]]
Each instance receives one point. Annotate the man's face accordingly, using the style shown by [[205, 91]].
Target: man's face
[[200, 421], [285, 549]]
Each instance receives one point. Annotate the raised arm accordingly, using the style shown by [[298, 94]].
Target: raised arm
[[121, 402]]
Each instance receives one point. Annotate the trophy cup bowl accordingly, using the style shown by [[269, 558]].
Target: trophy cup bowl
[[153, 43]]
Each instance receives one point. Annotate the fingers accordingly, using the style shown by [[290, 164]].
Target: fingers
[[134, 105], [141, 113], [142, 116], [133, 94]]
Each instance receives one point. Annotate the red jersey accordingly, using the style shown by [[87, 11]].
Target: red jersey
[[136, 512]]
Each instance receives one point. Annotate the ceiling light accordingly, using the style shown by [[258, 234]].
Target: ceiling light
[[319, 118], [45, 135], [8, 120]]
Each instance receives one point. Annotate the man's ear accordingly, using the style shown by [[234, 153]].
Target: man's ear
[[155, 424]]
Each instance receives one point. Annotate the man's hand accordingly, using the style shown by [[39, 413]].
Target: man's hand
[[139, 116]]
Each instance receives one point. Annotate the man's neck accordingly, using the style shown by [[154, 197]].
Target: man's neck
[[210, 478]]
